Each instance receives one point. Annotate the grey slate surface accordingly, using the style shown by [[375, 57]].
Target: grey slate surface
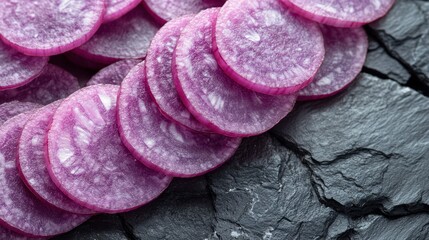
[[354, 166]]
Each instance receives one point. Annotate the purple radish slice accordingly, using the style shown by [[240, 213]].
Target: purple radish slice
[[265, 48], [161, 144], [17, 69], [87, 160], [45, 28], [211, 96], [20, 210], [13, 108], [345, 55], [125, 38], [160, 77], [117, 8], [31, 162], [166, 10], [52, 84], [340, 13], [114, 73]]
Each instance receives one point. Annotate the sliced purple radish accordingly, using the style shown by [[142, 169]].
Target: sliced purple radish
[[265, 48], [125, 38], [211, 96], [17, 69], [345, 55], [54, 83], [114, 73], [11, 109], [31, 162], [341, 13], [117, 8], [87, 160], [160, 77], [20, 211], [45, 28], [160, 143], [166, 10]]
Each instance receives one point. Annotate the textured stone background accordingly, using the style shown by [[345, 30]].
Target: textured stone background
[[355, 166]]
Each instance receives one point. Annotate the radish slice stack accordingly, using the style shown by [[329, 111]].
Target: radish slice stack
[[169, 103]]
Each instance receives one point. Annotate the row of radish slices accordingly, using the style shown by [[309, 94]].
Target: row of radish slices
[[208, 79]]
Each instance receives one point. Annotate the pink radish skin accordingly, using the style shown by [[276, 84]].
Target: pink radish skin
[[118, 8], [161, 144], [346, 50], [13, 108], [336, 16], [52, 84], [212, 97], [17, 69], [31, 162], [114, 73], [159, 75], [40, 39], [21, 211], [166, 10], [126, 38], [249, 45], [101, 175]]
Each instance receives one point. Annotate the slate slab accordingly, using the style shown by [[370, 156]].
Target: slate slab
[[102, 227], [378, 62], [404, 31], [184, 211], [368, 147]]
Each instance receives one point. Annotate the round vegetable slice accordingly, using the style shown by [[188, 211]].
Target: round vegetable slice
[[127, 37], [212, 97], [31, 162], [20, 211], [160, 77], [160, 143], [17, 69], [52, 84], [341, 13], [87, 160], [45, 28], [117, 8], [13, 108], [265, 48], [345, 55], [166, 10], [114, 73]]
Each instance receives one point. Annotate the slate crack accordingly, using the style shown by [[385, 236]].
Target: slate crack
[[412, 83], [418, 79], [128, 229], [369, 206], [212, 198], [354, 151]]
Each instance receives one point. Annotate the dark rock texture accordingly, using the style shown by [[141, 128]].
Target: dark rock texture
[[98, 227], [361, 141], [265, 193], [404, 32], [379, 63], [354, 166], [184, 211]]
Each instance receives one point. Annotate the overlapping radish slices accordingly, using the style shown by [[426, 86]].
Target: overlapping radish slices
[[175, 100]]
